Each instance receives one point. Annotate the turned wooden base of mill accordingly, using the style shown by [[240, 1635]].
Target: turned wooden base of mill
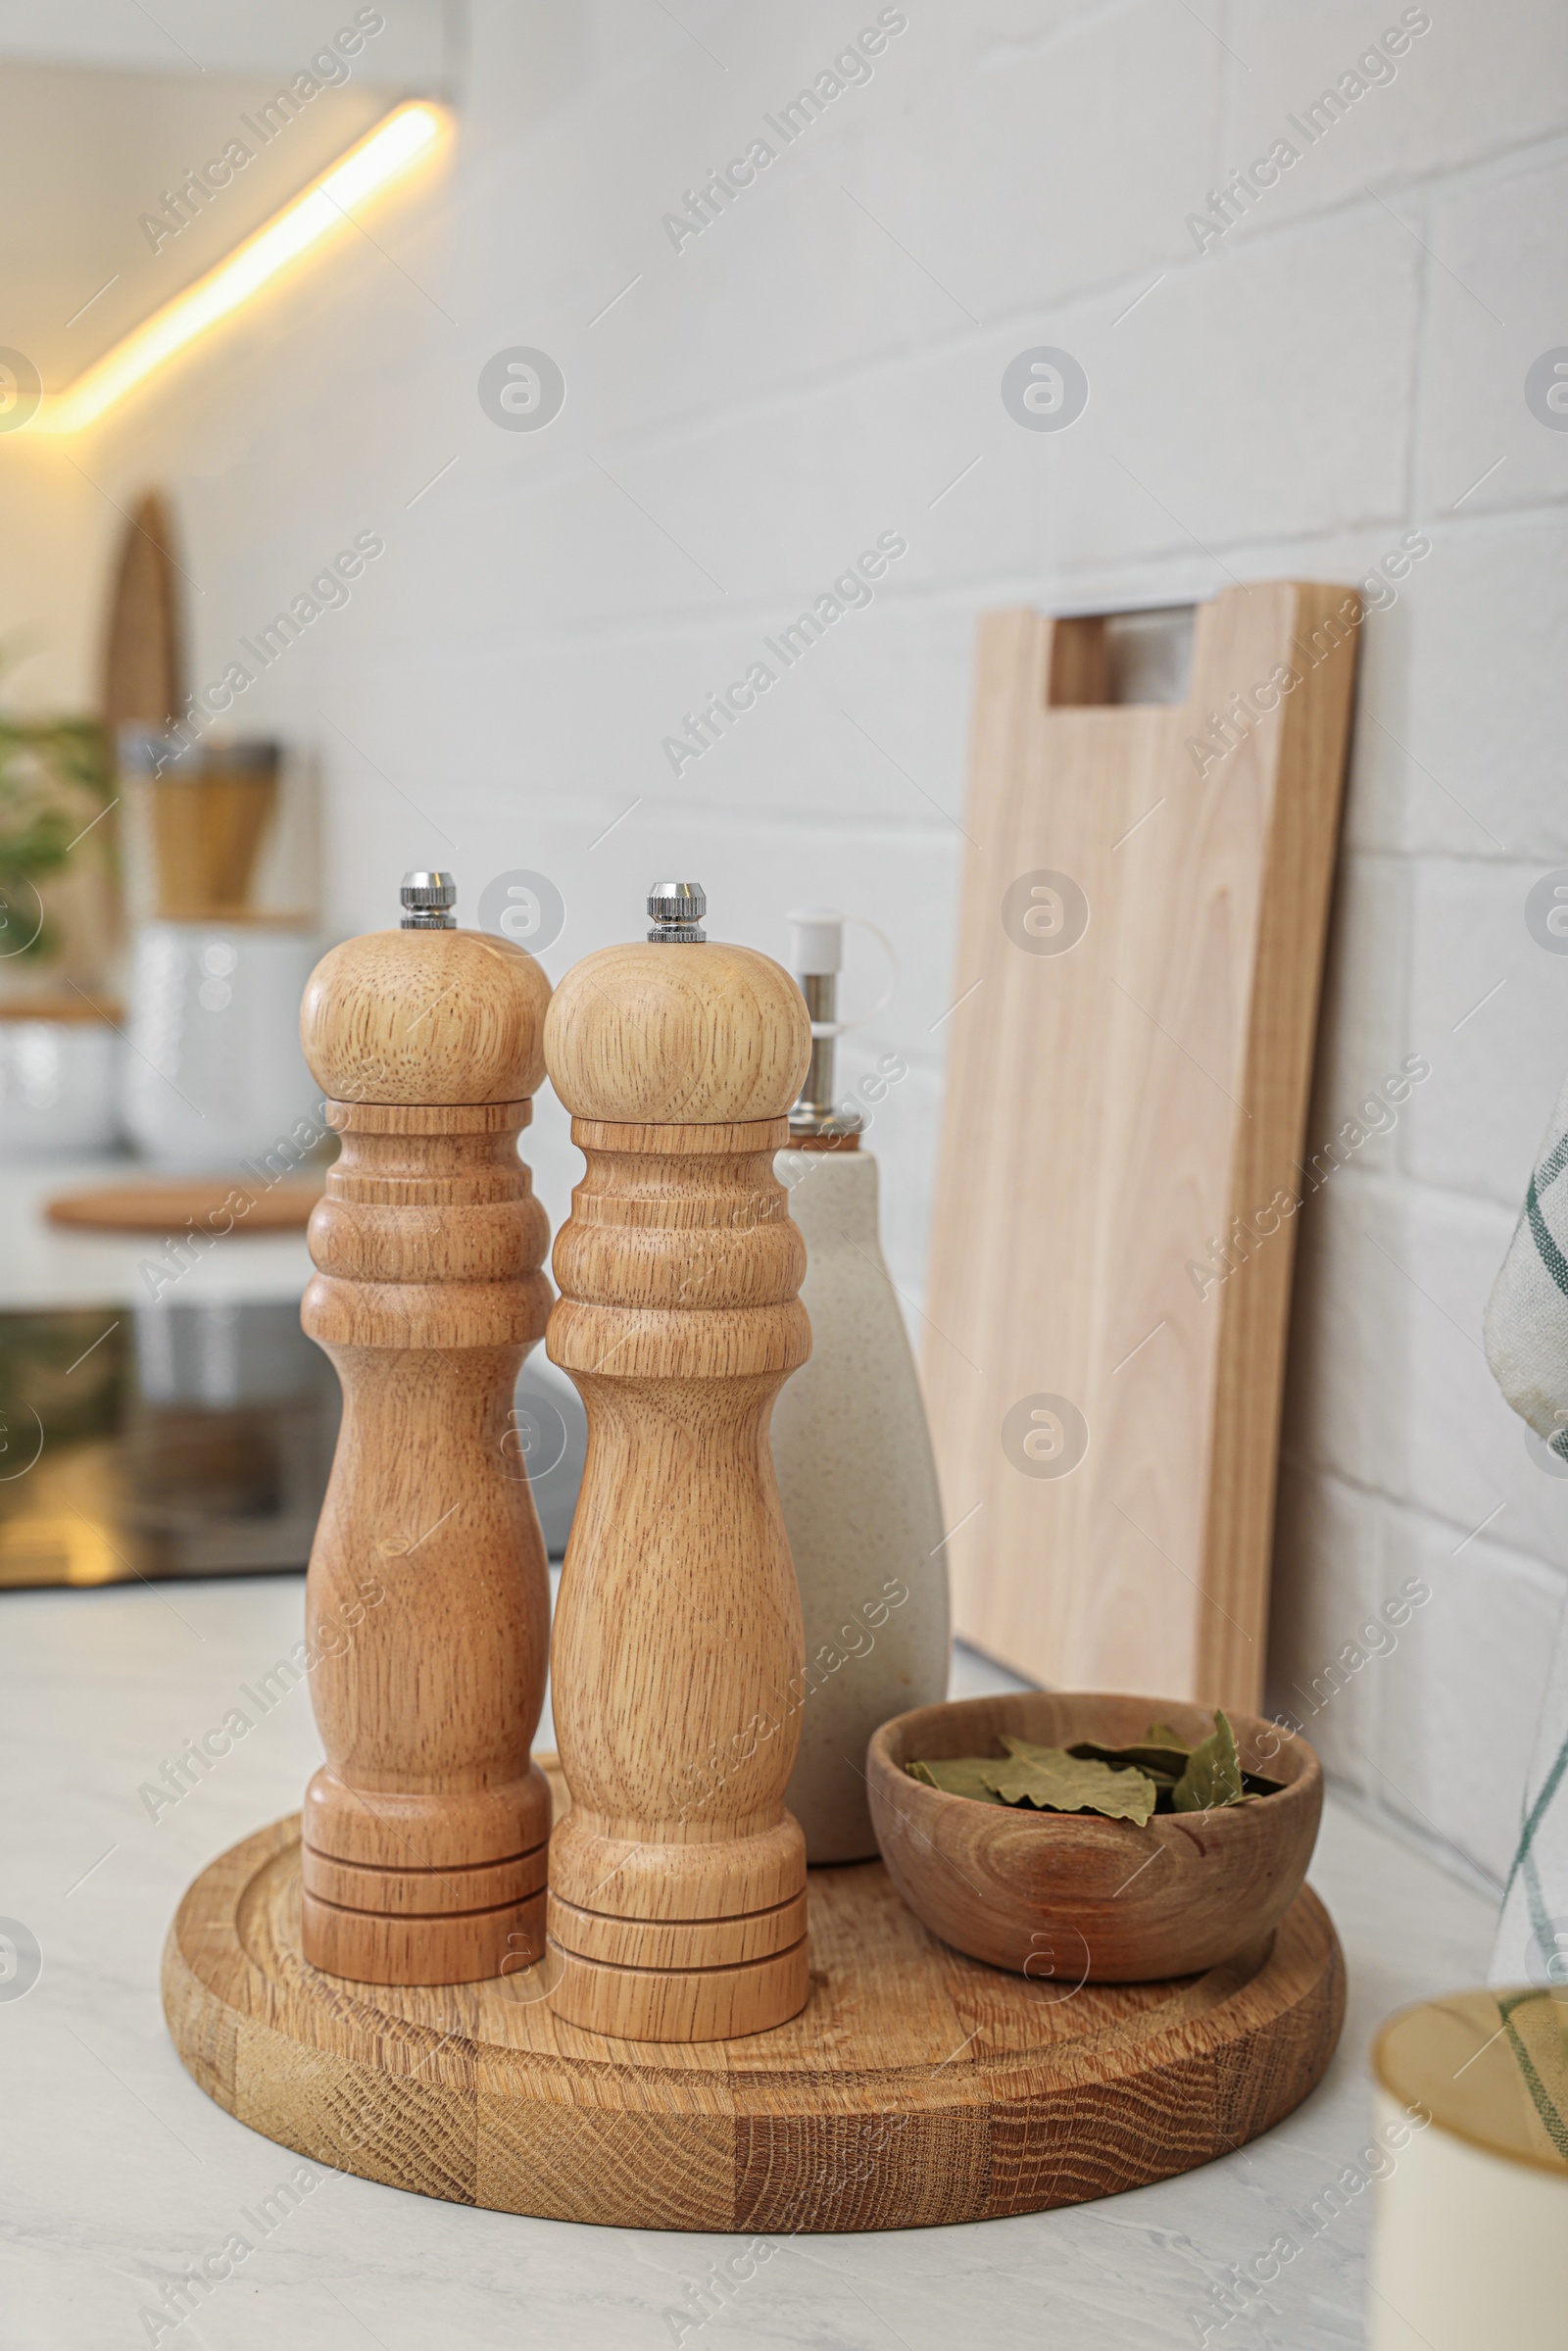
[[435, 1921], [697, 1969], [373, 1948], [916, 2087]]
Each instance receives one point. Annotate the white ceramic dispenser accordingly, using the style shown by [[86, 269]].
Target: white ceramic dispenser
[[852, 1451]]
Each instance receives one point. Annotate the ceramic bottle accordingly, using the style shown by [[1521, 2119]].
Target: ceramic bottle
[[853, 1453]]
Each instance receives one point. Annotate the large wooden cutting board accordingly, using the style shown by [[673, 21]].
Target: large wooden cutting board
[[1115, 1100]]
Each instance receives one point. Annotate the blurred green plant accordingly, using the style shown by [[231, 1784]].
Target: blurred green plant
[[56, 778]]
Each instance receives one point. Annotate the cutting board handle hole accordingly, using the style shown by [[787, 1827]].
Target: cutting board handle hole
[[1112, 660]]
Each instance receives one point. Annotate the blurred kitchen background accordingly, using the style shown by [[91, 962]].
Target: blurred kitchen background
[[502, 635]]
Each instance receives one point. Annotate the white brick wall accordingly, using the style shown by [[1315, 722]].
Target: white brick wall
[[819, 366]]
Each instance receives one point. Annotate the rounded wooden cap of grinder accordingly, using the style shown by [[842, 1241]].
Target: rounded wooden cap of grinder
[[677, 1029], [425, 1013]]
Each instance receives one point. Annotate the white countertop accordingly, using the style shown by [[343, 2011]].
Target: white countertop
[[118, 2172]]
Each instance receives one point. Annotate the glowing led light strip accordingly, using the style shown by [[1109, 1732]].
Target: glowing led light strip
[[390, 148]]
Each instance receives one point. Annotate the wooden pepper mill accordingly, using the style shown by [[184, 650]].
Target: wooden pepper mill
[[425, 1830], [677, 1881]]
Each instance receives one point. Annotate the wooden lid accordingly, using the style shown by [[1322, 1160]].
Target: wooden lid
[[667, 1034], [425, 1017], [108, 1013], [1490, 2066], [223, 1204], [216, 915]]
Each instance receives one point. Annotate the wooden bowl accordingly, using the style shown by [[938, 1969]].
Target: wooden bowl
[[1073, 1897]]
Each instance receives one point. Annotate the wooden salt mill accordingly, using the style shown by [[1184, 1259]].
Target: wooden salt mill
[[677, 1883], [425, 1830]]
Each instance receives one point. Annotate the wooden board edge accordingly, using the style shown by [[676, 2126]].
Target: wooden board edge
[[1281, 1050]]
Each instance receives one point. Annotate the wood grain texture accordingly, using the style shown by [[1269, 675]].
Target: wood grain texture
[[916, 2087], [1074, 1894], [426, 1829], [677, 1885], [675, 1033], [1111, 1109], [459, 1017]]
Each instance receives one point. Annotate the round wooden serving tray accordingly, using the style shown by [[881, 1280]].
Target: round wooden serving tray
[[916, 2087]]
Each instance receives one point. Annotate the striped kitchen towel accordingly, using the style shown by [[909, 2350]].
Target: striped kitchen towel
[[1527, 1347]]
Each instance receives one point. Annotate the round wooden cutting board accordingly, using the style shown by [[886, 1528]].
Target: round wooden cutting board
[[916, 2087], [219, 1204]]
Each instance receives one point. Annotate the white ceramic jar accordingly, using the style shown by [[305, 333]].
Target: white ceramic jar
[[1469, 2154], [214, 1073], [861, 1504], [59, 1083]]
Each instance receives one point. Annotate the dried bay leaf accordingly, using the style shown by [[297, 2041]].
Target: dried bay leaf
[[1029, 1747], [1214, 1774], [1158, 1773], [1053, 1781], [1041, 1779], [1162, 1764], [958, 1776]]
